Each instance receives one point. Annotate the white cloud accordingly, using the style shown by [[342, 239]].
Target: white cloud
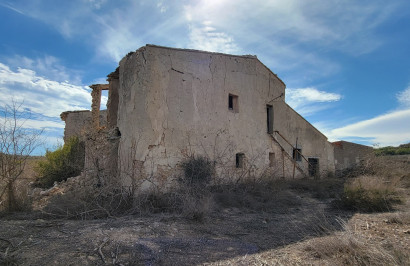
[[116, 42], [97, 4], [288, 34], [40, 124], [207, 38], [42, 96], [388, 129], [307, 101], [162, 8], [6, 5], [48, 66], [404, 97]]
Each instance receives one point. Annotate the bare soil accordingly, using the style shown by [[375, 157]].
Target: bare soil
[[165, 239], [309, 230], [231, 236]]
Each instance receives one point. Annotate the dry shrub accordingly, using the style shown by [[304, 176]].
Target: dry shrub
[[389, 167], [370, 194], [89, 203], [8, 253], [197, 208], [262, 195], [347, 248], [399, 218], [321, 189], [197, 170]]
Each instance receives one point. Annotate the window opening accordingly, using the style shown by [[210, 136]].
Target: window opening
[[297, 155], [313, 166], [269, 116], [233, 103], [240, 160]]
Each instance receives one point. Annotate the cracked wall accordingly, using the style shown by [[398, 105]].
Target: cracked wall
[[173, 103], [78, 123]]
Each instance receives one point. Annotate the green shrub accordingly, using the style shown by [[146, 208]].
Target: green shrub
[[370, 194], [401, 150], [66, 161]]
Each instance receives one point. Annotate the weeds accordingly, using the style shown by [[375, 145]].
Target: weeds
[[346, 248], [370, 194]]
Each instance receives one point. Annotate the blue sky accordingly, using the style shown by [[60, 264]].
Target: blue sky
[[345, 63]]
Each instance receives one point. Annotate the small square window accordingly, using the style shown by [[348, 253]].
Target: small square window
[[240, 160], [233, 103], [297, 155]]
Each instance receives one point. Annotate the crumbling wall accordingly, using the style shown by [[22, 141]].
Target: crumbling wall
[[101, 156], [113, 98], [348, 154], [78, 123], [174, 104]]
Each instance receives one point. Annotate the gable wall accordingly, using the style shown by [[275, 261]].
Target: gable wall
[[174, 104]]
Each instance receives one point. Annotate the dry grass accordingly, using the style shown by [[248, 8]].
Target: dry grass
[[347, 248], [370, 194]]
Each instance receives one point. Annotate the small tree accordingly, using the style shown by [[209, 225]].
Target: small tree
[[16, 145]]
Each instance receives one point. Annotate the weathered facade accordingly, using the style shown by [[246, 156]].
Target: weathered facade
[[166, 105], [349, 155]]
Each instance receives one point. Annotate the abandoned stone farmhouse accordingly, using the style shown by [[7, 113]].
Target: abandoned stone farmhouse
[[166, 105]]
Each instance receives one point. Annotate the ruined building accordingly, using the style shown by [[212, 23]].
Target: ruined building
[[166, 105]]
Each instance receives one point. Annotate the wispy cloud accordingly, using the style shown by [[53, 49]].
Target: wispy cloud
[[389, 129], [404, 98], [392, 128], [281, 30], [308, 101], [7, 5], [207, 38], [44, 123], [97, 4], [46, 65]]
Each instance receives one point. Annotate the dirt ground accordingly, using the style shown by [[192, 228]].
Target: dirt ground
[[231, 236], [302, 227]]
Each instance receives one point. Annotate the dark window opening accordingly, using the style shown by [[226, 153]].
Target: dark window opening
[[240, 160], [313, 166], [233, 103], [297, 155], [269, 116], [271, 159]]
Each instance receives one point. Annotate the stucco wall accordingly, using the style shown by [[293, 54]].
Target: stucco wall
[[303, 135], [348, 154], [174, 103], [78, 123]]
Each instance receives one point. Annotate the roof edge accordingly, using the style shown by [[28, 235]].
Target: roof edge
[[217, 53]]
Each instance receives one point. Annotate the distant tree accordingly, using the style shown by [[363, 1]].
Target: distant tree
[[17, 143]]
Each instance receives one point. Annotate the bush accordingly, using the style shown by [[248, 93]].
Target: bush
[[370, 194], [401, 150], [198, 170], [66, 161]]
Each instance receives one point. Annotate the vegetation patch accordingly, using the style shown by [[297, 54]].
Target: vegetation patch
[[400, 150], [66, 161], [370, 194], [198, 170]]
